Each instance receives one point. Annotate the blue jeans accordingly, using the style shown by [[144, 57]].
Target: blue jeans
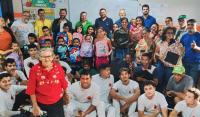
[[193, 70], [121, 52], [164, 73]]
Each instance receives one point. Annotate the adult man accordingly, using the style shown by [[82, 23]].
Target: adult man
[[125, 93], [148, 19], [104, 21], [21, 29], [182, 27], [47, 85], [191, 43], [42, 21], [190, 107], [122, 14], [151, 103], [85, 98], [145, 72], [105, 81], [58, 23], [177, 85]]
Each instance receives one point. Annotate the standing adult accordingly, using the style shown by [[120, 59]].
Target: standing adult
[[6, 38], [42, 21], [122, 14], [84, 23], [182, 22], [57, 25], [191, 42], [148, 19], [104, 21], [47, 85], [21, 29]]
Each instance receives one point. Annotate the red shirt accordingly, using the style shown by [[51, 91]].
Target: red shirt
[[48, 86]]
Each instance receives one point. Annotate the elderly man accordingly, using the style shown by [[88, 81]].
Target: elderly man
[[47, 85], [21, 29]]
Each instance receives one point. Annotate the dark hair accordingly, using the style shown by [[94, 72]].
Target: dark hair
[[124, 69], [82, 14], [195, 91], [140, 17], [102, 9], [47, 40], [45, 27], [145, 5], [165, 32], [3, 75], [39, 10], [60, 37], [32, 46], [191, 21], [7, 61], [63, 9], [32, 35], [79, 26], [148, 54], [124, 18], [103, 66], [157, 27], [74, 40], [100, 28], [85, 72], [170, 18], [149, 82]]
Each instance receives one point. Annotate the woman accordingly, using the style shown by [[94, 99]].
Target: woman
[[6, 38], [83, 22], [47, 85], [168, 44]]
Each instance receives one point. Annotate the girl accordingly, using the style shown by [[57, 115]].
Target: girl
[[78, 34], [102, 47], [86, 51], [61, 49], [90, 31]]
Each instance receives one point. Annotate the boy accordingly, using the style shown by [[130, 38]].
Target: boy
[[125, 93], [47, 35], [32, 60], [152, 103], [7, 96]]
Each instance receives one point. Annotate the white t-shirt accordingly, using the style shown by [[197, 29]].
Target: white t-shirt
[[126, 90], [7, 99], [27, 62], [20, 74], [65, 65], [105, 86], [187, 111], [21, 31], [90, 95], [146, 105]]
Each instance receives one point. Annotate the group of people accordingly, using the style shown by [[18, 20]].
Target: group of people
[[107, 69]]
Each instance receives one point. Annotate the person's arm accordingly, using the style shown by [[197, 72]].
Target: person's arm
[[36, 108], [88, 111], [174, 113], [154, 114], [135, 96], [110, 47], [8, 113], [2, 52], [114, 95], [164, 112], [195, 46]]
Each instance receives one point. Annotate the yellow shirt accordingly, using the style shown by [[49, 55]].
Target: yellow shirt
[[39, 24]]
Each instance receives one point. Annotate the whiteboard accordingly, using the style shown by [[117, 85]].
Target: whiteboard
[[92, 7]]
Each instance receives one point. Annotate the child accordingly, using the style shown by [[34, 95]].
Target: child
[[65, 34], [86, 51], [32, 60], [16, 55], [102, 47], [61, 48], [90, 31], [74, 55], [47, 43], [78, 34], [32, 38], [47, 35], [141, 48], [7, 96]]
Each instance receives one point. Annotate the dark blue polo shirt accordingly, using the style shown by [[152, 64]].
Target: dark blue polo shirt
[[149, 21], [106, 24]]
